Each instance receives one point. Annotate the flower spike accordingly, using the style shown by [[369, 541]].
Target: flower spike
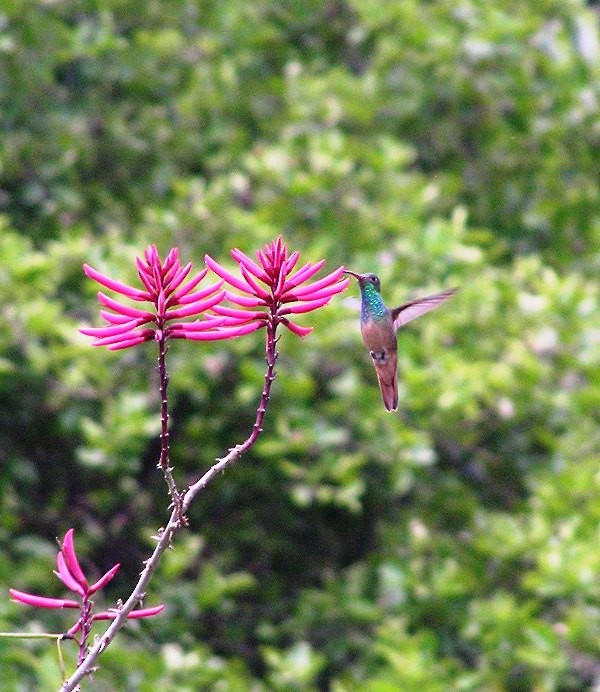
[[268, 286], [72, 576], [169, 298]]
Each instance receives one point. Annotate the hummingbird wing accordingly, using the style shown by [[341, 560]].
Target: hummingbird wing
[[415, 308]]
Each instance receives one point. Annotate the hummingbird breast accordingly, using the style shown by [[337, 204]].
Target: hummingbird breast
[[379, 337]]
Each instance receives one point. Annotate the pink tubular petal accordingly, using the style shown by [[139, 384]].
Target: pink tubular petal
[[145, 612], [156, 276], [251, 266], [161, 303], [275, 249], [127, 343], [151, 255], [238, 321], [221, 333], [169, 274], [101, 332], [66, 577], [113, 318], [195, 308], [255, 288], [263, 259], [197, 326], [42, 601], [337, 287], [117, 286], [231, 279], [308, 306], [141, 613], [76, 627], [245, 301], [68, 551], [145, 276], [103, 581], [302, 275], [278, 290], [169, 267], [172, 258], [290, 262], [122, 309], [191, 297], [239, 314], [322, 283], [281, 251], [296, 328], [177, 280], [190, 286], [147, 334]]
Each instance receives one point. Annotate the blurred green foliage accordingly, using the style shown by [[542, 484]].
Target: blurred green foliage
[[449, 142]]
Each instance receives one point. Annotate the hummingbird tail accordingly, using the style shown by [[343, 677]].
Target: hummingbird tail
[[389, 393]]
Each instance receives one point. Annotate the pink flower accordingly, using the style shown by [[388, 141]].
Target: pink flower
[[71, 575], [170, 298], [273, 285]]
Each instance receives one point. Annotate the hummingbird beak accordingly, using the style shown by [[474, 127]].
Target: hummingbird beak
[[354, 274]]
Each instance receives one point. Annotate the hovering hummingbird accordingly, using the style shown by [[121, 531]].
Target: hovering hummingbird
[[378, 326]]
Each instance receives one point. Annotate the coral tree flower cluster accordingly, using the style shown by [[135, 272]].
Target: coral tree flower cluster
[[271, 291], [171, 300], [267, 293], [72, 576]]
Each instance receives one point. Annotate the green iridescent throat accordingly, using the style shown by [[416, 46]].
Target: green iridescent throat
[[372, 305]]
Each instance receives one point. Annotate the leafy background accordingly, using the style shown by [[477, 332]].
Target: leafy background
[[451, 142]]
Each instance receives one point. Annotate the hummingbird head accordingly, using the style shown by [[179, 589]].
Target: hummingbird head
[[365, 279]]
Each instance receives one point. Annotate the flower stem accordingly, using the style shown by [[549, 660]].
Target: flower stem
[[237, 451], [86, 628], [164, 461], [184, 500]]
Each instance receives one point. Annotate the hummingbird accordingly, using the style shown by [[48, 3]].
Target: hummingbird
[[379, 324]]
